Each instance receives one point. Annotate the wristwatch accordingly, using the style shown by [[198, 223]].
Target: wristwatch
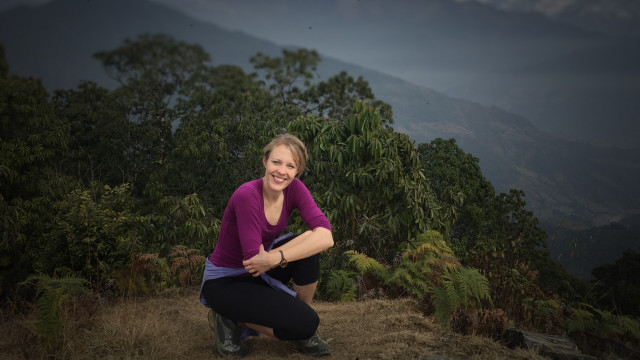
[[283, 261]]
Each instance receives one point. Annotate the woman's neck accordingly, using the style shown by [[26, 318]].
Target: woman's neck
[[269, 195]]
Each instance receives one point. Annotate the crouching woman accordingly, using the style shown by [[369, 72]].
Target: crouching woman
[[245, 276]]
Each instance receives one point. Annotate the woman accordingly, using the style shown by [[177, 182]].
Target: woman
[[245, 275]]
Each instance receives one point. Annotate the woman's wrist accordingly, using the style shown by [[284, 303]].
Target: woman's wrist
[[275, 258]]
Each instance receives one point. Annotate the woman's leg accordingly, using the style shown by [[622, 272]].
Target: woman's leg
[[251, 301], [304, 273], [306, 292]]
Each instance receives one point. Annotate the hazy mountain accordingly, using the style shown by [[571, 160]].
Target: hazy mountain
[[465, 49], [55, 42], [586, 184], [619, 17]]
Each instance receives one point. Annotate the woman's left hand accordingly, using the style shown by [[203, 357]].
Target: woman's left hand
[[260, 263]]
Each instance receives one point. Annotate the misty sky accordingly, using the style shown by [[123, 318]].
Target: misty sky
[[301, 23], [321, 25], [285, 25]]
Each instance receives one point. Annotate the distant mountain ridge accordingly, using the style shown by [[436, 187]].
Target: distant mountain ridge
[[619, 17], [561, 179]]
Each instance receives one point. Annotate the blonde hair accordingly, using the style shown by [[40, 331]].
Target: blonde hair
[[297, 148]]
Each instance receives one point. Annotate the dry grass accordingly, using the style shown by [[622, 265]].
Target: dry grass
[[174, 326]]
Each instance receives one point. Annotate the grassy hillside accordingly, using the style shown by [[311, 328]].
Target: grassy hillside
[[174, 326]]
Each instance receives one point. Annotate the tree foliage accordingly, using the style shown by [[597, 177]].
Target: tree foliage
[[493, 233], [617, 285], [377, 198], [154, 71], [33, 138], [90, 233]]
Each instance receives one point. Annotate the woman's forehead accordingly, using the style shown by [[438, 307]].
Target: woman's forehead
[[281, 151]]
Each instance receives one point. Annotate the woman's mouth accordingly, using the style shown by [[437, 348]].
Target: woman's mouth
[[278, 180]]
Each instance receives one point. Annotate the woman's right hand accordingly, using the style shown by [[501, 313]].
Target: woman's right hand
[[262, 262]]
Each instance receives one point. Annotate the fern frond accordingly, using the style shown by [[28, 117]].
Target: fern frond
[[412, 277], [442, 304], [473, 284], [429, 246], [458, 287], [52, 294], [582, 322], [629, 327], [365, 264], [184, 262], [340, 286]]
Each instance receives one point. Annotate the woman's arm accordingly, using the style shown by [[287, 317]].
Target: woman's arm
[[308, 244]]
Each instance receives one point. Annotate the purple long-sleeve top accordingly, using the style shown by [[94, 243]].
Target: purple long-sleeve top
[[244, 224]]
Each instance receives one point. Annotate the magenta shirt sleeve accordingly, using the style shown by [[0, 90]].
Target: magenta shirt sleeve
[[309, 211]]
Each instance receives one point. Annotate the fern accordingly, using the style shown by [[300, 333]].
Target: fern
[[429, 244], [129, 280], [365, 264], [604, 325], [442, 303], [461, 287], [412, 277], [472, 284], [582, 322], [429, 267], [184, 263], [52, 294], [340, 286]]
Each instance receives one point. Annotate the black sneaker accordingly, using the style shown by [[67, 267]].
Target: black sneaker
[[313, 346], [227, 335]]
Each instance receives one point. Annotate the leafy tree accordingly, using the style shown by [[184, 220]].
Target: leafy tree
[[493, 232], [369, 180], [99, 135], [180, 221], [90, 235], [456, 178], [335, 97], [153, 71], [289, 75], [291, 79], [226, 121], [32, 141]]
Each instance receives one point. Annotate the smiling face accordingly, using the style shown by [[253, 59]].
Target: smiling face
[[280, 168]]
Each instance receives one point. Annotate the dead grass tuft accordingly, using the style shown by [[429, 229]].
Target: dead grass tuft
[[174, 326]]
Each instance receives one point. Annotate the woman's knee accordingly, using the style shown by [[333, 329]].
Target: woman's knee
[[303, 327]]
